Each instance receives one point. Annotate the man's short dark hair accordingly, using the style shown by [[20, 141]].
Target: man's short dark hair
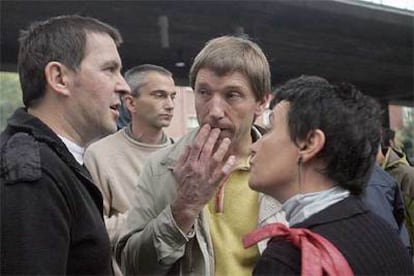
[[350, 120], [135, 77], [62, 39]]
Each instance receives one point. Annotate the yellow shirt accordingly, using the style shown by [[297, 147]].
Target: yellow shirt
[[230, 221]]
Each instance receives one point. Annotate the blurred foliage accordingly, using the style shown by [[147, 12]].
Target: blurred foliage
[[10, 96]]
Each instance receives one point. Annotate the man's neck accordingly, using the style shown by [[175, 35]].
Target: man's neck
[[146, 134], [241, 149], [56, 122]]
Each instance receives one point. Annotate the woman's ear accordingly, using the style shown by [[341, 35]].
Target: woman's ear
[[57, 77], [314, 143]]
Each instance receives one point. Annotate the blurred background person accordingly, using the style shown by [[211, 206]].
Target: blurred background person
[[394, 161], [383, 196]]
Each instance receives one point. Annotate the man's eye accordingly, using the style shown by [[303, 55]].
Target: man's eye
[[203, 92], [233, 95], [159, 95]]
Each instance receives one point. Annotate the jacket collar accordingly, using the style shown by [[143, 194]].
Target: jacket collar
[[21, 121], [346, 208], [394, 158]]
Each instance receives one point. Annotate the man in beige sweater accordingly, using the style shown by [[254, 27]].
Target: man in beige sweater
[[116, 160]]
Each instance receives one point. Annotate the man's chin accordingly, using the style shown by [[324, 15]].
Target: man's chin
[[225, 134], [109, 128], [221, 138], [161, 125]]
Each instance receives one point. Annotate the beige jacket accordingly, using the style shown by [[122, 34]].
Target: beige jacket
[[151, 243]]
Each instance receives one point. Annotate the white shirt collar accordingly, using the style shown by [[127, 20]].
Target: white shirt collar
[[76, 150]]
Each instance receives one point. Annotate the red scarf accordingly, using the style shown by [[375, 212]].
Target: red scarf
[[319, 256]]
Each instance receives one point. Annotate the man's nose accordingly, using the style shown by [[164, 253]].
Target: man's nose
[[216, 107], [122, 86], [169, 103]]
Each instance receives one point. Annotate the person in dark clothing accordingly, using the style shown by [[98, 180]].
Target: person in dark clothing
[[395, 162], [51, 212], [383, 197], [316, 160]]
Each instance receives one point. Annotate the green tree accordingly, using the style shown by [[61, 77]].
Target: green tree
[[10, 96]]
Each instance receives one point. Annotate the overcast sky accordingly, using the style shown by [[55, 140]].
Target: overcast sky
[[402, 4]]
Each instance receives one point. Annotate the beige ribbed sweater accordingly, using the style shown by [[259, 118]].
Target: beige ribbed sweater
[[115, 163]]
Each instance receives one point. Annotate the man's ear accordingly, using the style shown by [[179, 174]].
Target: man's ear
[[57, 77], [314, 143], [129, 102], [261, 105]]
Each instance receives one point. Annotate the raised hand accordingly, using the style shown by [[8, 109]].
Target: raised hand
[[198, 173]]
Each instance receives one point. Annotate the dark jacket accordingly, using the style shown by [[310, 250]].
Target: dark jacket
[[367, 242], [51, 212], [383, 197], [396, 164]]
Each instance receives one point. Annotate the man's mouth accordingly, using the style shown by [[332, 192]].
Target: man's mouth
[[225, 130], [115, 108], [166, 116]]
